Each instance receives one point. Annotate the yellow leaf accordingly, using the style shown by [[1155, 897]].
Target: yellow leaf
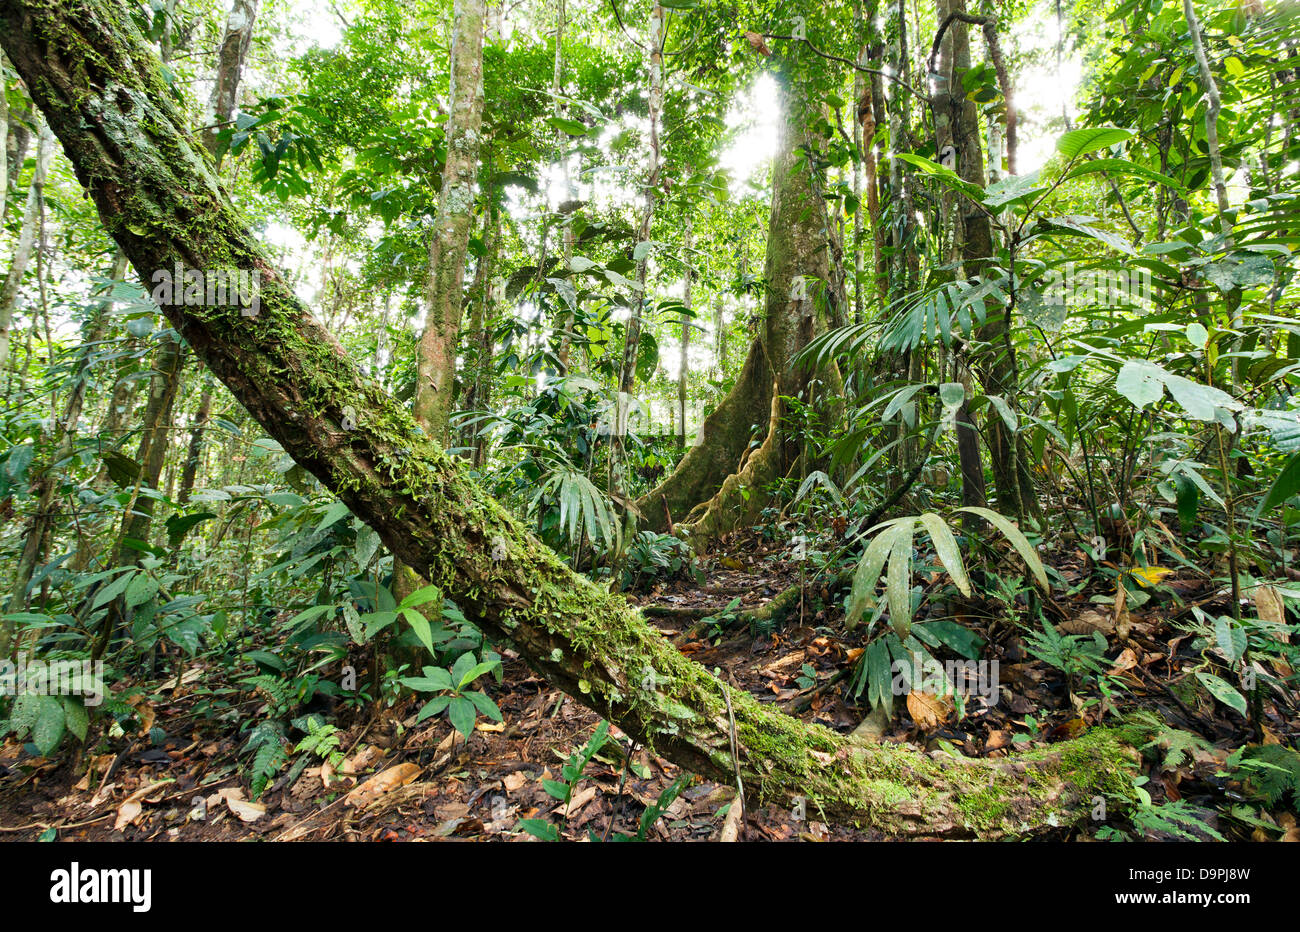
[[1149, 575]]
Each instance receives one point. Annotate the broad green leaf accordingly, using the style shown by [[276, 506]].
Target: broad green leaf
[[420, 625], [1231, 640], [434, 706], [421, 596], [1224, 691], [75, 716], [462, 713], [899, 576], [113, 589], [143, 587], [1141, 382], [1079, 142], [1018, 541], [483, 702], [1284, 486], [48, 730], [945, 545]]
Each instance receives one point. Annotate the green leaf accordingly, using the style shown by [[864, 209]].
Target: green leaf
[[867, 575], [1284, 486], [180, 525], [143, 587], [1124, 166], [121, 468], [1018, 541], [483, 702], [1224, 691], [421, 596], [434, 706], [75, 716], [1012, 189], [945, 545], [572, 127], [48, 730], [1231, 639], [113, 589], [1141, 382], [1079, 142], [952, 394], [946, 175], [540, 829], [420, 625], [475, 672], [462, 713], [951, 635], [899, 577], [352, 620]]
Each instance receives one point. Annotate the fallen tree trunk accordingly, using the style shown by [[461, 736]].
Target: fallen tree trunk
[[100, 86]]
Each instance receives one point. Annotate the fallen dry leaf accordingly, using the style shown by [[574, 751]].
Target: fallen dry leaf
[[381, 783], [133, 805], [1127, 660], [576, 803], [363, 759], [513, 781], [927, 710], [245, 810]]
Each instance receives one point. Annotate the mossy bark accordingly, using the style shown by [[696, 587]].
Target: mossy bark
[[99, 85]]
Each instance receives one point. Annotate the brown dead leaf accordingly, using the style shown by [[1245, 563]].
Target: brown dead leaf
[[363, 759], [144, 710], [381, 783], [513, 781], [1127, 660], [1086, 623], [244, 809], [927, 710], [133, 805], [1270, 608], [577, 801]]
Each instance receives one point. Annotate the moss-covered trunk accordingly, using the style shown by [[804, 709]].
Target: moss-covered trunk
[[100, 87]]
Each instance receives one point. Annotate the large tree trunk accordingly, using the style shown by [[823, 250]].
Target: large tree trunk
[[798, 280], [99, 85]]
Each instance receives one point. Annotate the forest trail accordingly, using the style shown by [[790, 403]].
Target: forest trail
[[438, 787]]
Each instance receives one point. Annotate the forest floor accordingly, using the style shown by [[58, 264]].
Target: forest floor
[[187, 782]]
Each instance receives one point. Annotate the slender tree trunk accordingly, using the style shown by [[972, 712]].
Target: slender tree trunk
[[570, 191], [4, 136], [235, 42], [686, 339], [449, 242], [83, 57], [22, 256], [46, 485]]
